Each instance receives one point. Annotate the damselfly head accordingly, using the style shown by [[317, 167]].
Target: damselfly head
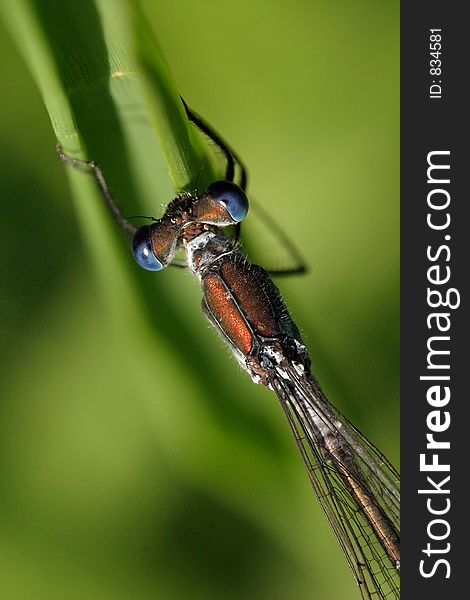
[[224, 203]]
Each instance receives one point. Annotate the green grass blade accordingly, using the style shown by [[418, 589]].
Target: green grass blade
[[111, 98], [103, 105]]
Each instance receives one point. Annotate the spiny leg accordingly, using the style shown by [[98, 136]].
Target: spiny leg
[[231, 157], [92, 169], [299, 267]]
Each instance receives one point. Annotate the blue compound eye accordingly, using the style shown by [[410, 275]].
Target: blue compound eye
[[232, 198], [142, 250]]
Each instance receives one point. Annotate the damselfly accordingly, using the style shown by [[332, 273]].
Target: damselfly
[[358, 489]]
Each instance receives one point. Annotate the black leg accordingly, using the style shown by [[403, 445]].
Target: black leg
[[91, 168], [299, 267], [230, 156]]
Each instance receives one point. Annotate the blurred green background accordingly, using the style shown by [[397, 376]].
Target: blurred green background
[[129, 473]]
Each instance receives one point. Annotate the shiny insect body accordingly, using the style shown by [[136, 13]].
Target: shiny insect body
[[356, 486]]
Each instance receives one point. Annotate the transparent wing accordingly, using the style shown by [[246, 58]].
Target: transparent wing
[[356, 486]]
